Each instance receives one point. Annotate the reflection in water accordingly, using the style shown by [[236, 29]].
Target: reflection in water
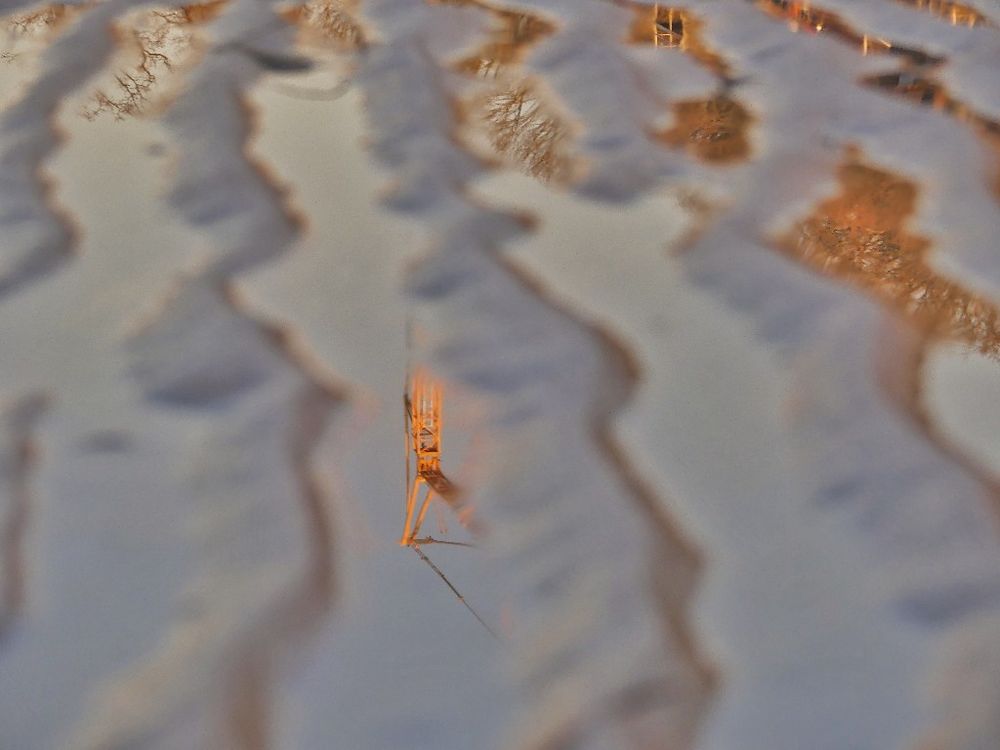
[[42, 19], [329, 21], [160, 39], [425, 480], [514, 117], [520, 126], [930, 93], [801, 16], [511, 38], [956, 13], [663, 27], [860, 236], [669, 27], [713, 130]]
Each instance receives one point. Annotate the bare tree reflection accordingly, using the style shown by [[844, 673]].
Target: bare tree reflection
[[860, 236], [159, 39], [41, 19], [328, 21]]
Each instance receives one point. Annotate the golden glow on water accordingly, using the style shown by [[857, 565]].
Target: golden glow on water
[[860, 236]]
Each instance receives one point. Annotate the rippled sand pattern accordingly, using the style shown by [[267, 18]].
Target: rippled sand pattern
[[661, 288]]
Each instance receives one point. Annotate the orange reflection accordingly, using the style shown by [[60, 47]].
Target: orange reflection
[[955, 13], [424, 477], [860, 237], [663, 26], [713, 130], [507, 43], [514, 116], [801, 16]]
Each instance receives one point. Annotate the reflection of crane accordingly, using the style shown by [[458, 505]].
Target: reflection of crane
[[425, 481], [668, 27]]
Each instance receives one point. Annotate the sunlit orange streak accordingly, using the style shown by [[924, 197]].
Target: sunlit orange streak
[[802, 16], [955, 13]]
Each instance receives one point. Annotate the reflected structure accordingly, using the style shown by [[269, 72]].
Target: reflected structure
[[425, 480], [673, 28]]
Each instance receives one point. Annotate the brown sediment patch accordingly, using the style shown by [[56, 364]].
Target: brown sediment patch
[[803, 17], [713, 130], [663, 26], [860, 237]]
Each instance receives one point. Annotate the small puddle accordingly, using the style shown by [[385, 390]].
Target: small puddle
[[513, 116], [860, 237], [512, 36], [712, 130]]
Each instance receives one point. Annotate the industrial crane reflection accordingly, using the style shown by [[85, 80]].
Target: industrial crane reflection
[[425, 480]]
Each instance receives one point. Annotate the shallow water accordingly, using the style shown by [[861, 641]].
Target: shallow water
[[709, 294]]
